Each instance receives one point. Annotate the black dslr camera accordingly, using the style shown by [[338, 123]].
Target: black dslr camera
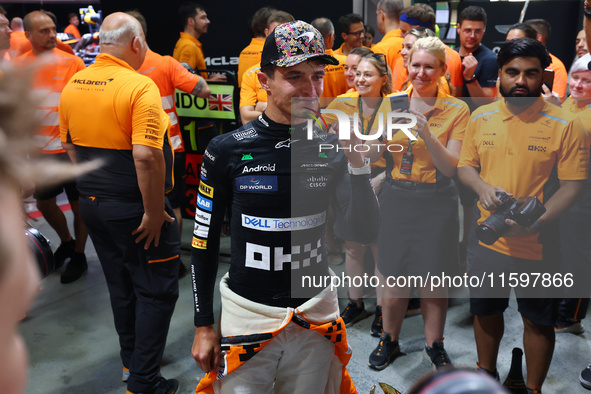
[[525, 211]]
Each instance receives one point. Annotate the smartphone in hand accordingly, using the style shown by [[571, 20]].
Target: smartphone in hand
[[549, 78], [399, 102]]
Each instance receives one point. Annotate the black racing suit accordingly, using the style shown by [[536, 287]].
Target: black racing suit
[[277, 185]]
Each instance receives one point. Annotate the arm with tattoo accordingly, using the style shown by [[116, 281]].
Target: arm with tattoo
[[201, 89]]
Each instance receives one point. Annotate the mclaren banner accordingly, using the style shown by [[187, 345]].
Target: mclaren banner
[[219, 104]]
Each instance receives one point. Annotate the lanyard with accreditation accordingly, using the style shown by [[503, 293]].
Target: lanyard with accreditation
[[371, 119], [408, 156]]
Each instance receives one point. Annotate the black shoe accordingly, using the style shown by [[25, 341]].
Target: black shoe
[[163, 386], [377, 329], [75, 268], [64, 252], [353, 313], [585, 377], [384, 354], [183, 271], [437, 355], [414, 307]]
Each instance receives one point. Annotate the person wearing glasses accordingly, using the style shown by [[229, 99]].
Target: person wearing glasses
[[419, 226], [352, 32], [373, 81]]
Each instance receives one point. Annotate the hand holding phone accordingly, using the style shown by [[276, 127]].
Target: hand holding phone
[[399, 102], [549, 78]]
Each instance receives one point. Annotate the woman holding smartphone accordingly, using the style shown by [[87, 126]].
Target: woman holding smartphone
[[419, 205]]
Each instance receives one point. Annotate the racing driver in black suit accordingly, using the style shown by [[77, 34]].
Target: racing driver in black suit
[[276, 176]]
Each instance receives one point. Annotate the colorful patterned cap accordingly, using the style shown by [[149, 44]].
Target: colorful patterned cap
[[293, 43]]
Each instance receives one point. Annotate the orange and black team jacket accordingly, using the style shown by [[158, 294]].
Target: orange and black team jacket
[[169, 74], [48, 82], [527, 155], [104, 110]]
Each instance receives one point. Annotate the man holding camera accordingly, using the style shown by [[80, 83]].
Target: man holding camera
[[525, 147]]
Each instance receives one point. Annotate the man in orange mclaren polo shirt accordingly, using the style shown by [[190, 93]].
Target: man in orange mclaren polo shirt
[[49, 80], [352, 31], [168, 74], [123, 202], [188, 49], [524, 146], [253, 98], [334, 75], [388, 16], [251, 55]]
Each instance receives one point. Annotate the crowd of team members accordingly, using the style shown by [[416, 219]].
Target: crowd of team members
[[417, 188], [418, 197]]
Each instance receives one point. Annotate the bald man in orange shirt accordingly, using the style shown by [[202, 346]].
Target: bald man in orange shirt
[[48, 83]]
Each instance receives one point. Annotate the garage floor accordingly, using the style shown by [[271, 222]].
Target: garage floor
[[74, 349]]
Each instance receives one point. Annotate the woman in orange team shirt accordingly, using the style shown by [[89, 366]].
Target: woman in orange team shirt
[[419, 205], [373, 81]]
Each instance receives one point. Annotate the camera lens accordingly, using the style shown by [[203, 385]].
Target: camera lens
[[487, 234], [492, 228]]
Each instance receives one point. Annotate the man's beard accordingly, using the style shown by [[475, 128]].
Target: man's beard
[[520, 101]]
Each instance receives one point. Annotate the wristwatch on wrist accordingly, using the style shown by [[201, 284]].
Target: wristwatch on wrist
[[365, 170], [587, 9], [471, 79]]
